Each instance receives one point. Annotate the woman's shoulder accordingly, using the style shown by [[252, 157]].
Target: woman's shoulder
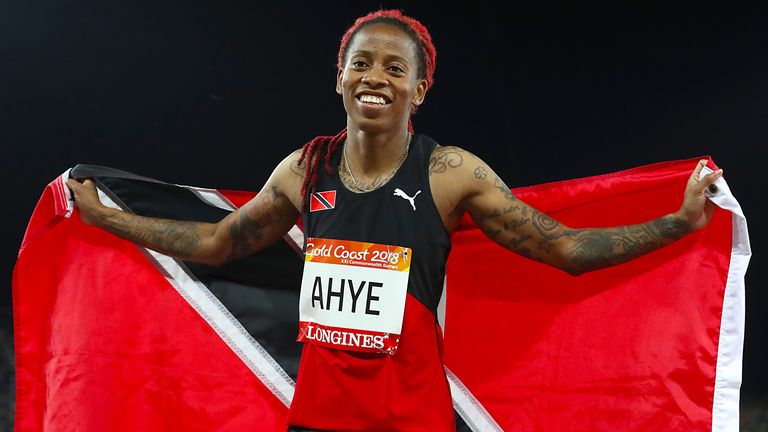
[[445, 157]]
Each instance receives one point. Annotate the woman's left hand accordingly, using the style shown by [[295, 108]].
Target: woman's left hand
[[696, 209]]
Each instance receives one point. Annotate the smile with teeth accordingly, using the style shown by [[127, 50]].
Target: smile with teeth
[[378, 100]]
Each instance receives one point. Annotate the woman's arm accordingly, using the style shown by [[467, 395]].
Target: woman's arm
[[523, 229], [261, 221]]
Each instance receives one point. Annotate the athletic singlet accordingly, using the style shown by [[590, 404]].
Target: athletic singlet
[[340, 390]]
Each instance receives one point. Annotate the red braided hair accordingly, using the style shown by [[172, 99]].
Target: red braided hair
[[321, 148]]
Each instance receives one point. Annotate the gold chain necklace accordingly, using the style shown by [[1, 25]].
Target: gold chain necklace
[[389, 175]]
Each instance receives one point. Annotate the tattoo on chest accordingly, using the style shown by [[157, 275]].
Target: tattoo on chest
[[362, 185]]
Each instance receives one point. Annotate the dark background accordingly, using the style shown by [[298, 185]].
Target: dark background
[[216, 93]]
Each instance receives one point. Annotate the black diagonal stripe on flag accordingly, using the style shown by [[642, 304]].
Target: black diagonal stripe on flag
[[260, 290], [323, 201]]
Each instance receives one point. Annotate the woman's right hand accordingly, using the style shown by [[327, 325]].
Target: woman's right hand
[[87, 201]]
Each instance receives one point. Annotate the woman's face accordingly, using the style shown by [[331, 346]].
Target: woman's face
[[379, 82]]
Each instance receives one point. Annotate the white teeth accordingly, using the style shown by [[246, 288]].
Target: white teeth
[[373, 99]]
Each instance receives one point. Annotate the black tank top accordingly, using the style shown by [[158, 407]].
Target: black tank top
[[343, 390], [400, 213]]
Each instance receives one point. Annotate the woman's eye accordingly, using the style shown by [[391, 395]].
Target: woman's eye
[[359, 64], [396, 69]]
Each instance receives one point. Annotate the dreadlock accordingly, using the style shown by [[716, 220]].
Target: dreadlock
[[321, 148]]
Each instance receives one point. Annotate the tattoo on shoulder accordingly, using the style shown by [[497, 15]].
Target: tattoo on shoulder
[[481, 173], [298, 169], [446, 157]]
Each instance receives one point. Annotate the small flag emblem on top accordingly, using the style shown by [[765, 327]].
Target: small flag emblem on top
[[323, 201]]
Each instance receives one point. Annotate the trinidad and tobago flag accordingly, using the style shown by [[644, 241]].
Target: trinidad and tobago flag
[[325, 200], [111, 337]]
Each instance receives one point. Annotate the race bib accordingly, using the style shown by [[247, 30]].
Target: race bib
[[353, 295]]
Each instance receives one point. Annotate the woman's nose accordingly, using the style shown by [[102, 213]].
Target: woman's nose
[[374, 80]]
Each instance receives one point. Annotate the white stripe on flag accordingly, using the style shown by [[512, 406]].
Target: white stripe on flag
[[470, 409], [441, 305], [725, 404], [212, 197], [221, 320], [68, 196], [295, 239]]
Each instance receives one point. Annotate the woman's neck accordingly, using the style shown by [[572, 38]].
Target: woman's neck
[[374, 154]]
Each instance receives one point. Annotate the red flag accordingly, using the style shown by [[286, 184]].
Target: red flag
[[107, 341], [110, 336], [653, 344]]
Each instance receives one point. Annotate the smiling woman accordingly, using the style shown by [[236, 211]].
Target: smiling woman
[[386, 64], [391, 198]]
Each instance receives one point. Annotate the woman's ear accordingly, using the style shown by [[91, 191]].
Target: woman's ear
[[421, 92], [339, 76]]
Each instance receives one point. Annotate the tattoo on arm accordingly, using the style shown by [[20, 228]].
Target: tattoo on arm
[[536, 235], [171, 237], [183, 239], [594, 248], [498, 184], [445, 157], [481, 173], [490, 215], [244, 232], [299, 170]]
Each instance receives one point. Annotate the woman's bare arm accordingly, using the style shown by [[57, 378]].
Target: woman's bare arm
[[261, 221], [523, 229]]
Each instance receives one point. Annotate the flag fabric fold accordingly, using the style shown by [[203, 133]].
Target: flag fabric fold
[[112, 336]]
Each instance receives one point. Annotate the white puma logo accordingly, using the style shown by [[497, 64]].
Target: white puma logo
[[401, 194]]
